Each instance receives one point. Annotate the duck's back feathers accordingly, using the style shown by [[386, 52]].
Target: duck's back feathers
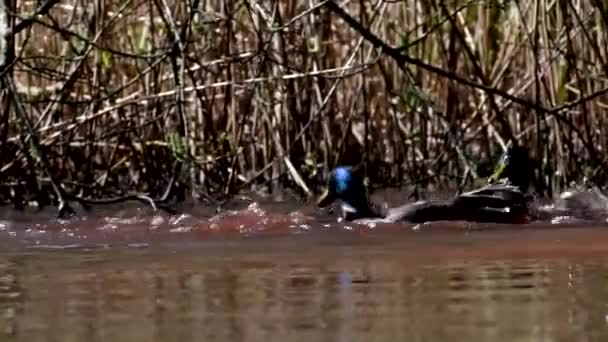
[[495, 196]]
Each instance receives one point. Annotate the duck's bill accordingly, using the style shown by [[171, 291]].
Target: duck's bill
[[499, 172], [325, 199]]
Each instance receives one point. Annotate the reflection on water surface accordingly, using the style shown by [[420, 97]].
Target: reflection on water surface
[[321, 289], [257, 275]]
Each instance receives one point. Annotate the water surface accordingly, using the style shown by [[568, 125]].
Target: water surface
[[256, 276]]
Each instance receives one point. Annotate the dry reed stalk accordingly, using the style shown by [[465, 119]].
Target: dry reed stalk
[[220, 97]]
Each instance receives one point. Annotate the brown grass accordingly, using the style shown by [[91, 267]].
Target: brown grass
[[211, 98]]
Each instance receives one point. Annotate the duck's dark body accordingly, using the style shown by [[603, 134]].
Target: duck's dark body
[[451, 210]]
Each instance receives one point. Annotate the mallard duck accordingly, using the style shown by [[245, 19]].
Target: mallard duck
[[493, 203], [516, 168]]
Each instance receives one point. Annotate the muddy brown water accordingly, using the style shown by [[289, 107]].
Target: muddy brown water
[[285, 274]]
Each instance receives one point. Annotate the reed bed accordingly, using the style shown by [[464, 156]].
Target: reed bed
[[164, 100]]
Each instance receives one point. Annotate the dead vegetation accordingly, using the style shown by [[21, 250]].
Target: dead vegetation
[[160, 100]]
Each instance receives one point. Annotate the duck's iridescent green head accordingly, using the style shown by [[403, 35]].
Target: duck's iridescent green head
[[345, 185], [515, 168]]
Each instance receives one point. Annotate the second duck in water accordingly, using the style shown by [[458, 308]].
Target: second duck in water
[[516, 168], [494, 203]]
